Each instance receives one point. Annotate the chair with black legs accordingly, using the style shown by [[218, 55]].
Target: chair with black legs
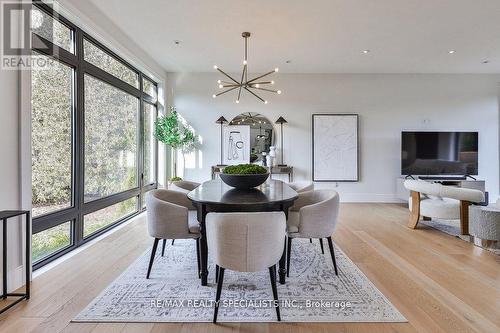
[[169, 217], [246, 242], [313, 215], [183, 186]]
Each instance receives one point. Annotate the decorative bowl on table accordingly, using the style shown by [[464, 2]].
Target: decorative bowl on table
[[244, 176]]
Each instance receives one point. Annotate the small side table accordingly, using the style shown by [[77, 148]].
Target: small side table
[[4, 216], [484, 225]]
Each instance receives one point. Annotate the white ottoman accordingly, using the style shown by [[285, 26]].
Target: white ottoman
[[484, 224]]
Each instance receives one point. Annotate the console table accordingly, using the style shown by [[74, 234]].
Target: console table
[[4, 216], [282, 170], [275, 170]]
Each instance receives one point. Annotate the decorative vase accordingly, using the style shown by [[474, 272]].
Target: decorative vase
[[244, 181], [272, 153], [269, 161]]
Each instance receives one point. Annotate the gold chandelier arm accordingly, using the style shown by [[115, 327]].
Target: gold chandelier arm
[[225, 91], [260, 77], [251, 92], [270, 90], [262, 82], [230, 85], [241, 83], [220, 70]]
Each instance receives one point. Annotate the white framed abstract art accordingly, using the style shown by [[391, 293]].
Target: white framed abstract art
[[335, 147], [236, 144]]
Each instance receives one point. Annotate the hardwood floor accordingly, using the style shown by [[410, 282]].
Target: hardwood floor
[[439, 283]]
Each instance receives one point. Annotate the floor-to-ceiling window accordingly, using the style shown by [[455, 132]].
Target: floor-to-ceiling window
[[94, 156]]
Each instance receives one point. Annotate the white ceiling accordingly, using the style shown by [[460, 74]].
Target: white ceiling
[[318, 36]]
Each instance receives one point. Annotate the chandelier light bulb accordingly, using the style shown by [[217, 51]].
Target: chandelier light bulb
[[215, 67], [276, 69], [221, 86], [257, 85], [214, 95], [279, 92], [265, 102], [237, 102], [272, 82], [244, 62], [219, 81]]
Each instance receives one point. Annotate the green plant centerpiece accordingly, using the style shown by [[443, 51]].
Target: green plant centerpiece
[[172, 132], [244, 169], [244, 176]]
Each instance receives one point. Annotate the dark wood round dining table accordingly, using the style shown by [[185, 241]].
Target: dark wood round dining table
[[216, 196]]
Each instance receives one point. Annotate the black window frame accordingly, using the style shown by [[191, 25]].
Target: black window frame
[[79, 208]]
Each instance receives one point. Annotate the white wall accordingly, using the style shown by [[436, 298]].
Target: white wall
[[387, 104]]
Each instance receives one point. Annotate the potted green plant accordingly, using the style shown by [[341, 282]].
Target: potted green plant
[[170, 130], [244, 176]]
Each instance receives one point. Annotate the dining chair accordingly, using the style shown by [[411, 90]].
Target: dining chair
[[313, 215], [246, 242], [169, 216], [302, 186], [183, 186]]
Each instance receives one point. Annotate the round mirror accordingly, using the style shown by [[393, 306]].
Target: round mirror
[[262, 134]]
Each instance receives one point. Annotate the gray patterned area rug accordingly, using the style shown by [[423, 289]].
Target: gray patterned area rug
[[173, 293]]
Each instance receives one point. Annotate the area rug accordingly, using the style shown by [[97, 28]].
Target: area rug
[[452, 227], [312, 293]]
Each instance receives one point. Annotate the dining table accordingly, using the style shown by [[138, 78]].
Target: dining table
[[216, 196]]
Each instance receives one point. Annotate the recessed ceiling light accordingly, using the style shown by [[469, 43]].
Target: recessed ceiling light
[[288, 61], [451, 51], [177, 42], [366, 51], [486, 61]]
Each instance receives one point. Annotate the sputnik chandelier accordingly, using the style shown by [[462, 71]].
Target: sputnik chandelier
[[250, 86]]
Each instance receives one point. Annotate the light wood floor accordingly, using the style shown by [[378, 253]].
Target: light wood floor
[[439, 283]]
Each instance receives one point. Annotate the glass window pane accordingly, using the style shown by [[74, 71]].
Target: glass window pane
[[104, 217], [111, 123], [150, 88], [104, 61], [52, 30], [52, 92], [149, 144], [49, 241]]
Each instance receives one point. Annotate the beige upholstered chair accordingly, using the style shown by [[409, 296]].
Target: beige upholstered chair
[[302, 186], [434, 200], [169, 217], [313, 215], [246, 242], [183, 186]]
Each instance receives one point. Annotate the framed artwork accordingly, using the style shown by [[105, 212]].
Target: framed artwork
[[236, 144], [335, 147]]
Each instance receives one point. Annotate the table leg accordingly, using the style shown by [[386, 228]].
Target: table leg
[[282, 264], [202, 214], [4, 258], [282, 269], [28, 254]]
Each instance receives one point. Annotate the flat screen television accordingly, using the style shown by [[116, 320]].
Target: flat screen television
[[439, 153]]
